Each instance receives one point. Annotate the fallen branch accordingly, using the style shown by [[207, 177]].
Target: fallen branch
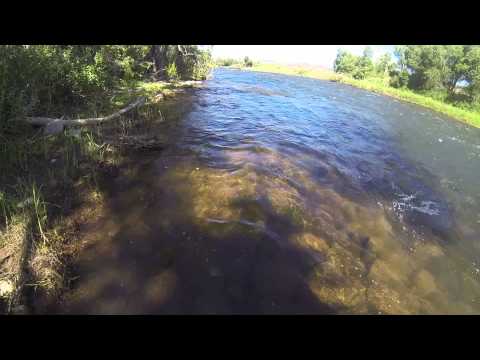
[[54, 126]]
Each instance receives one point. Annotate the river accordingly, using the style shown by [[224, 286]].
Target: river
[[284, 194]]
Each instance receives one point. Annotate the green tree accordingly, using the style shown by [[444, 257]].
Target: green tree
[[345, 62], [472, 77], [442, 67], [364, 64], [455, 66], [58, 80], [191, 61], [385, 65], [368, 52], [426, 65]]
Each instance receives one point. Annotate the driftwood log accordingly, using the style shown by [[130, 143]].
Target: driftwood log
[[54, 126]]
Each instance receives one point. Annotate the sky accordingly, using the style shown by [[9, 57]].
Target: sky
[[323, 55]]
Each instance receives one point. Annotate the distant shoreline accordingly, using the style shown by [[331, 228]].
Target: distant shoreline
[[375, 85]]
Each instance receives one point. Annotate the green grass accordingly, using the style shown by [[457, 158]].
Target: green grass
[[151, 88], [466, 116], [30, 187], [378, 86], [43, 178]]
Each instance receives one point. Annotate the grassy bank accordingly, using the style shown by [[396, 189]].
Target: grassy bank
[[49, 184], [42, 181], [376, 85]]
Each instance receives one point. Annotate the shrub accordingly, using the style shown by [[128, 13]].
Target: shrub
[[399, 79], [47, 79], [226, 62], [202, 65], [172, 73], [56, 80], [247, 62]]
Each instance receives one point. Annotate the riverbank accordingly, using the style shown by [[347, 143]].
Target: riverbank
[[51, 184], [374, 85]]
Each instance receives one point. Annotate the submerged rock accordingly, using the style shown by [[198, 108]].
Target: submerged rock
[[434, 215], [424, 283]]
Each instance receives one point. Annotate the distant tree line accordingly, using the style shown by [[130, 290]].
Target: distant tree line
[[448, 72], [246, 62], [45, 79]]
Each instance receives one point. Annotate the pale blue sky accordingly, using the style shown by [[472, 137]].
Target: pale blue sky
[[323, 55]]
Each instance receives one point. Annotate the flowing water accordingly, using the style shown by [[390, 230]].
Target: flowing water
[[282, 194]]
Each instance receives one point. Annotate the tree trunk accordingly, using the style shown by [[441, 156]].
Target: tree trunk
[[158, 55]]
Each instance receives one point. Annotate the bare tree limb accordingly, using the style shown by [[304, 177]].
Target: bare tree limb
[[54, 126]]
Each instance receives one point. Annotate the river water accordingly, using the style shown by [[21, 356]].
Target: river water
[[283, 194]]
